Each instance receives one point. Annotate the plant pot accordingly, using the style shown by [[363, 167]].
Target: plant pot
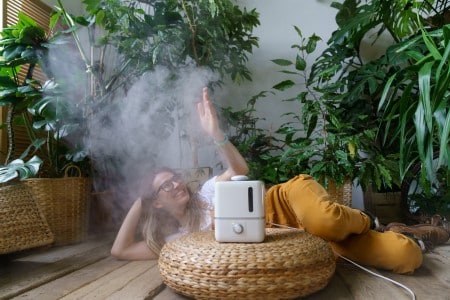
[[385, 205], [341, 194], [65, 203], [22, 223]]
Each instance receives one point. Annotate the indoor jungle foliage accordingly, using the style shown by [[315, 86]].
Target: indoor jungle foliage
[[372, 119], [141, 35]]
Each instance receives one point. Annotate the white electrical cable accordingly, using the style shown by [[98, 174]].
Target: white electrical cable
[[380, 276], [287, 227], [359, 266]]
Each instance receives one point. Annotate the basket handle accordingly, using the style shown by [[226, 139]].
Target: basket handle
[[68, 168]]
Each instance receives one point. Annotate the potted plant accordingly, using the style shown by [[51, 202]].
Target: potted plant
[[423, 127], [21, 51], [277, 155], [387, 94], [259, 147], [145, 38], [414, 104], [327, 146], [142, 37]]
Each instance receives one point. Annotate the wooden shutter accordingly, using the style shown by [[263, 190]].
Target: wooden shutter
[[41, 13]]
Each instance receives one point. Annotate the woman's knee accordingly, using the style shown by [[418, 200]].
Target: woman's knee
[[384, 250], [408, 257]]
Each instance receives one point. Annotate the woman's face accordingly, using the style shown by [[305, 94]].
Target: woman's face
[[171, 192]]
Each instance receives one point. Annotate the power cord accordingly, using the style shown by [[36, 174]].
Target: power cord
[[380, 276], [357, 265]]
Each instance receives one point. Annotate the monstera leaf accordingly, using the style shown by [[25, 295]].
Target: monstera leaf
[[20, 168]]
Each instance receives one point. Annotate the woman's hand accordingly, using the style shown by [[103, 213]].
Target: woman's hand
[[208, 117], [236, 164]]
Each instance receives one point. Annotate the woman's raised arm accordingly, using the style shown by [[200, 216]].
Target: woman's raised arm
[[236, 164]]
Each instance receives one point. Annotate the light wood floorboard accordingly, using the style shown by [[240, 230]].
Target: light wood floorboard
[[87, 271]]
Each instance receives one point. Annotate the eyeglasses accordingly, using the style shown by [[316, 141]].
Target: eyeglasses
[[168, 185]]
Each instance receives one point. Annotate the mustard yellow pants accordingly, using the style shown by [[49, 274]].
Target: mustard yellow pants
[[302, 202]]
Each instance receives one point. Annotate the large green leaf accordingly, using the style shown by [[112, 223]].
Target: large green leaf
[[21, 169], [283, 85]]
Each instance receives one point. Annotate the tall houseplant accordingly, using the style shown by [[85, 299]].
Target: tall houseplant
[[423, 125], [108, 50], [63, 201], [141, 36], [358, 84], [150, 35], [402, 94], [23, 49], [356, 112], [315, 139], [311, 139]]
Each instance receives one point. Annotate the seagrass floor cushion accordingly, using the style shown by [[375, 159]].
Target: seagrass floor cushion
[[287, 265]]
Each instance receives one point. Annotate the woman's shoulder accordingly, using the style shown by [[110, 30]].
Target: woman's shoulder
[[209, 184], [207, 191]]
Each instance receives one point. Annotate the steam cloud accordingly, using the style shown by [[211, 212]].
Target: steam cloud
[[153, 124]]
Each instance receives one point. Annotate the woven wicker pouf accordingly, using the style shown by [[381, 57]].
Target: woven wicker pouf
[[287, 265]]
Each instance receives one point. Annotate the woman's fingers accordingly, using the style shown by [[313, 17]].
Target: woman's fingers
[[208, 107], [205, 94], [200, 109]]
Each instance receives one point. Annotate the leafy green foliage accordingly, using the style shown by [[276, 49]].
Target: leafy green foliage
[[392, 95], [258, 146], [19, 168], [436, 202], [311, 140], [317, 139], [25, 45], [211, 34], [22, 43], [416, 97], [215, 34]]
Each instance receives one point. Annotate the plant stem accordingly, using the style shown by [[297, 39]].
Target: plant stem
[[11, 145], [71, 23], [192, 28]]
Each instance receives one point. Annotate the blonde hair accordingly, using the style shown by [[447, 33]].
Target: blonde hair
[[157, 224]]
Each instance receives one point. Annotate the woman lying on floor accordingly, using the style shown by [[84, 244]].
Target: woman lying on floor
[[168, 210]]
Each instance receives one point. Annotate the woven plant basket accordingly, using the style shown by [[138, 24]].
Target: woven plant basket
[[22, 224], [340, 194], [65, 204], [287, 265]]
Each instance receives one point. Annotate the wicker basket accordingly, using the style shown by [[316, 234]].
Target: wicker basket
[[340, 194], [288, 264], [22, 224], [65, 204]]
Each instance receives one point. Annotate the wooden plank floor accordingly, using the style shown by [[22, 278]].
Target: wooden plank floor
[[86, 271]]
